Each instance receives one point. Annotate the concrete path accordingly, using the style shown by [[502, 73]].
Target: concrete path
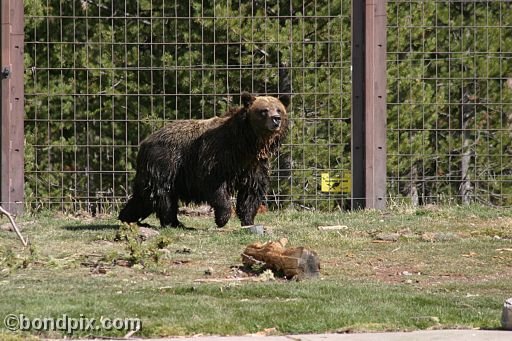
[[423, 335]]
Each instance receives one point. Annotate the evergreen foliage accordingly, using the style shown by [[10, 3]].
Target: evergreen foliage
[[101, 75]]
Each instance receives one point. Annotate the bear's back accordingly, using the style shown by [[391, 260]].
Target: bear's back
[[181, 132]]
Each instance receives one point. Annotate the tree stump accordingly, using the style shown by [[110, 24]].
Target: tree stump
[[298, 262]]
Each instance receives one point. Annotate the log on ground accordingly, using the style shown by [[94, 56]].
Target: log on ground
[[298, 262]]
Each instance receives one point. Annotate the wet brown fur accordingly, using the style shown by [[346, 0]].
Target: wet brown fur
[[209, 161]]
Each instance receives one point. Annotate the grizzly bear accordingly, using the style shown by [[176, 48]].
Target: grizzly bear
[[209, 161]]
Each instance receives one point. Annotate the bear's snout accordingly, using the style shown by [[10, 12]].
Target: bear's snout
[[276, 121]]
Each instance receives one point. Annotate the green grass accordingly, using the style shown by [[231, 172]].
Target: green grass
[[448, 267]]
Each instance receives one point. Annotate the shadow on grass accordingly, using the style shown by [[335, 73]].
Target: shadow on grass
[[91, 227], [99, 227]]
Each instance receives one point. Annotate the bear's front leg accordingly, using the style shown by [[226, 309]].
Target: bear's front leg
[[221, 204], [168, 212], [251, 192], [247, 203]]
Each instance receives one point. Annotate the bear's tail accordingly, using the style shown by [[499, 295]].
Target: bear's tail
[[135, 210]]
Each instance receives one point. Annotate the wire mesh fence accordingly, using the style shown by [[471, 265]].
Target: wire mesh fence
[[101, 75], [450, 101]]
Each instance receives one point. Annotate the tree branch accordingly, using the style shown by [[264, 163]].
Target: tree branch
[[11, 219]]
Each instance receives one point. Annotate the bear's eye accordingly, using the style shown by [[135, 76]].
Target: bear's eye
[[264, 112]]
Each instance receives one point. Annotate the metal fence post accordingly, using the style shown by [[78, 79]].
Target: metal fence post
[[358, 102], [369, 104], [12, 106]]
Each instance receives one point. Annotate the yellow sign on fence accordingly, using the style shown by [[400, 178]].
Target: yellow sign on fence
[[331, 184]]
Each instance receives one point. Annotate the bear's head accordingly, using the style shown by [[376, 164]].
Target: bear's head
[[266, 114]]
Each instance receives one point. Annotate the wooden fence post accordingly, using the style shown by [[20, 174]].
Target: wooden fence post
[[369, 104], [12, 106]]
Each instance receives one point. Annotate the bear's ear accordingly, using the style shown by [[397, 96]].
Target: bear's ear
[[247, 99]]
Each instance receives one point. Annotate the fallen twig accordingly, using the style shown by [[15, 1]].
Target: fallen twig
[[13, 223], [333, 228], [231, 279], [262, 278]]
